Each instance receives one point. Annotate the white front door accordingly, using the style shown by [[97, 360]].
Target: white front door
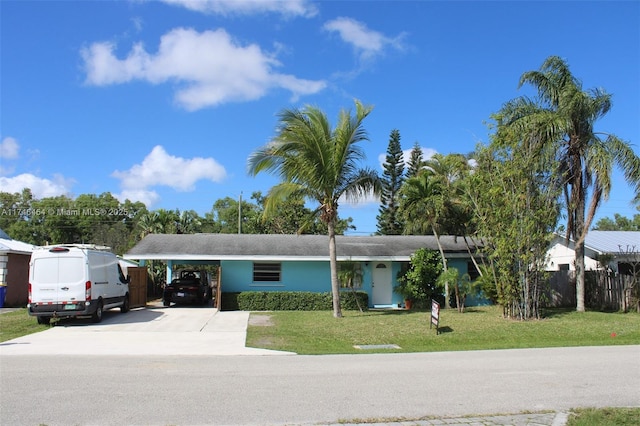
[[382, 289]]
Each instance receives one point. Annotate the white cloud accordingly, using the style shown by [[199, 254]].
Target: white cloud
[[146, 197], [213, 68], [161, 169], [9, 148], [291, 8], [366, 42], [40, 188]]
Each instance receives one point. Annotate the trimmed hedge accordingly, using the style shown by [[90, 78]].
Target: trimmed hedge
[[290, 301]]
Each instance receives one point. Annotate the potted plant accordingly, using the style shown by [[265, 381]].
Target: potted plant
[[406, 290]]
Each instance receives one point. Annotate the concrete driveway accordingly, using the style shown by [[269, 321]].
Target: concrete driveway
[[155, 330]]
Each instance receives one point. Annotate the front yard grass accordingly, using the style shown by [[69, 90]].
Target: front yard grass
[[604, 417], [18, 323], [478, 328]]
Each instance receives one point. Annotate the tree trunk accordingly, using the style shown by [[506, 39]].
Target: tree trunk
[[444, 265], [579, 261], [471, 255], [333, 264], [580, 235]]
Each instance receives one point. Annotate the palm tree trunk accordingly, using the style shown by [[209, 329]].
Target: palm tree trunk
[[471, 255], [333, 265], [579, 252], [444, 266], [580, 293]]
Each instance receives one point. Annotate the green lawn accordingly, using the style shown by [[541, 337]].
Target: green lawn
[[317, 332], [18, 323], [604, 417], [478, 328]]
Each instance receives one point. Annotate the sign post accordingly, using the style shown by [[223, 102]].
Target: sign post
[[435, 315]]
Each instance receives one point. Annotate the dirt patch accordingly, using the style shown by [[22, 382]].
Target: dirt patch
[[263, 342], [260, 320]]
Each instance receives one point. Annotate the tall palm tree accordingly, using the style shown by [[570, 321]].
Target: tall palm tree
[[452, 171], [562, 119], [320, 164], [421, 206]]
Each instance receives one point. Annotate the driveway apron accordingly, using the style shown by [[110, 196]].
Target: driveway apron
[[154, 330]]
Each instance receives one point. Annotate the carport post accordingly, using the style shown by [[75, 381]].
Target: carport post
[[169, 271]]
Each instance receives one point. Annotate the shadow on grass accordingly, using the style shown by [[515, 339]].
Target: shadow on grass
[[422, 311], [557, 312], [377, 312]]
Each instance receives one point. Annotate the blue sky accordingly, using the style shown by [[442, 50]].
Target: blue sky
[[163, 101]]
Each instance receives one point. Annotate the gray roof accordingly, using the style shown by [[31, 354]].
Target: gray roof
[[17, 247], [613, 241], [285, 247]]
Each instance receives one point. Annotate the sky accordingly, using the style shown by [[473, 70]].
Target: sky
[[163, 101]]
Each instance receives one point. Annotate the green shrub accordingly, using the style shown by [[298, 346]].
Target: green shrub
[[290, 301]]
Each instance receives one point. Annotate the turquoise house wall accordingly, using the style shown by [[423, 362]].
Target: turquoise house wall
[[462, 266], [459, 264], [237, 276], [315, 276]]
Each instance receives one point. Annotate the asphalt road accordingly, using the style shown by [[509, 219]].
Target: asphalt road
[[242, 390]]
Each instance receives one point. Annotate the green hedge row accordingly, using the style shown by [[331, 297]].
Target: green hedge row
[[290, 301]]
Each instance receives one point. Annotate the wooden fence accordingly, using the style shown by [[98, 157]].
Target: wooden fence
[[603, 290], [138, 286]]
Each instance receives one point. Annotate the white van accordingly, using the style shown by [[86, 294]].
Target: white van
[[75, 280]]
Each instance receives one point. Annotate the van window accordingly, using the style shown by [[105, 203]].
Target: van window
[[50, 270]]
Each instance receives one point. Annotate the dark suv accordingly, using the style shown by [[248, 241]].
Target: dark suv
[[187, 286]]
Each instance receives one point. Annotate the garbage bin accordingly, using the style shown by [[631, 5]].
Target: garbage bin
[[3, 292]]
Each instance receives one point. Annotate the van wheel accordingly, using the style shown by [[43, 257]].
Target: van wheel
[[125, 305], [97, 315], [44, 320]]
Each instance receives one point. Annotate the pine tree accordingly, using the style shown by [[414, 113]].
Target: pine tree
[[388, 220], [416, 161]]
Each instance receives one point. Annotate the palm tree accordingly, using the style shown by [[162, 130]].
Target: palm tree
[[188, 222], [148, 223], [318, 163], [452, 171], [421, 206], [350, 276], [562, 119]]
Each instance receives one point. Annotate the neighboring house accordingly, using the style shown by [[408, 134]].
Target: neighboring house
[[618, 248], [258, 262], [14, 270]]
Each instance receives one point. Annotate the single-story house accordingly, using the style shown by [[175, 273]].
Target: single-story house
[[619, 248], [258, 262], [14, 270]]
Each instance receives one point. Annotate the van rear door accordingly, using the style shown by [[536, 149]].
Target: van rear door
[[58, 278]]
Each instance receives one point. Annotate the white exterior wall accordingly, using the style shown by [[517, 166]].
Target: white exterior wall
[[560, 254], [4, 260]]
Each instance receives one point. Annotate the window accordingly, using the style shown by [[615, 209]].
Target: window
[[350, 274], [472, 271], [269, 272], [52, 270]]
